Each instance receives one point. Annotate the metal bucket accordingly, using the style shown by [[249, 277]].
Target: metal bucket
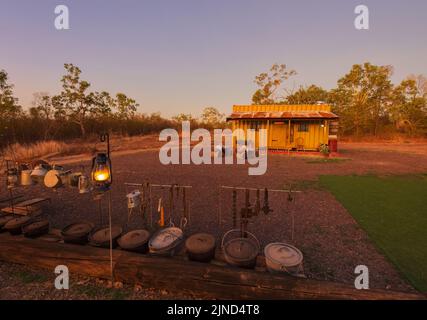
[[166, 241], [241, 252], [283, 258], [26, 178], [84, 184]]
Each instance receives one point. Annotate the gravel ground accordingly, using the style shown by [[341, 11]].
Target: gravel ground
[[332, 242]]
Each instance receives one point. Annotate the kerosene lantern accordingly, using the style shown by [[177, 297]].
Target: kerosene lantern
[[12, 175], [102, 173]]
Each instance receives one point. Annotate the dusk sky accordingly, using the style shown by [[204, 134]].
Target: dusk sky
[[183, 55]]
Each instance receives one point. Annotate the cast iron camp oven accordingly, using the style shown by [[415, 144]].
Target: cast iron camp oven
[[166, 242], [3, 221], [200, 247], [101, 236], [15, 225], [283, 258], [136, 241], [36, 229], [242, 251], [77, 233]]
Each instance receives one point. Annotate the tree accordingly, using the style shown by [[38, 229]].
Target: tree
[[9, 106], [183, 117], [10, 110], [126, 107], [76, 102], [362, 97], [421, 84], [308, 95], [212, 117], [270, 83], [43, 110], [409, 104]]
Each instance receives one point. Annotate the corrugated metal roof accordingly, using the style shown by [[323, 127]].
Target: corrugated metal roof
[[282, 115]]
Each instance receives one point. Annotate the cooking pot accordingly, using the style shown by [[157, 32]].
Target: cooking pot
[[241, 251], [3, 221], [166, 241], [282, 257], [15, 225], [39, 172], [36, 229], [200, 247], [136, 241], [77, 233], [101, 236]]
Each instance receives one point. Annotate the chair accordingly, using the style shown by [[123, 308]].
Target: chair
[[300, 144]]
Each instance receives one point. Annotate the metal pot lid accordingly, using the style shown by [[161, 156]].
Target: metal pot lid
[[241, 249], [36, 226], [134, 239], [39, 171], [283, 254], [165, 238], [200, 243], [17, 222], [4, 220], [103, 235], [77, 229]]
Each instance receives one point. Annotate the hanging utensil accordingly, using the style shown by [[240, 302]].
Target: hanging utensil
[[161, 213], [257, 208], [150, 203], [245, 214], [234, 209], [266, 208]]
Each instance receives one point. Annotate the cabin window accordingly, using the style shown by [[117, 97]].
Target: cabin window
[[303, 127]]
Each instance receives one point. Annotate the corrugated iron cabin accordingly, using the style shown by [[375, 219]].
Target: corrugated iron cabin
[[289, 127]]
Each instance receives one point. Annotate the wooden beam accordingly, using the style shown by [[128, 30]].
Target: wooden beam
[[177, 275]]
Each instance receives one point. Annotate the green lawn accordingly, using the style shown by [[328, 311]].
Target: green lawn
[[393, 211]]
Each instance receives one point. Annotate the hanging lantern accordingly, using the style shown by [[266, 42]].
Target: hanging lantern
[[101, 171], [102, 176], [12, 177]]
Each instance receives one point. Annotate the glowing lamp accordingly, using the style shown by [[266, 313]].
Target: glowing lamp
[[101, 171]]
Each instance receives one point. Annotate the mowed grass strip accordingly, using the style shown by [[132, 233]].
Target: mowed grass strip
[[393, 211]]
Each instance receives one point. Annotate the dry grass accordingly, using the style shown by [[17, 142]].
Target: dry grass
[[28, 152], [51, 148]]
